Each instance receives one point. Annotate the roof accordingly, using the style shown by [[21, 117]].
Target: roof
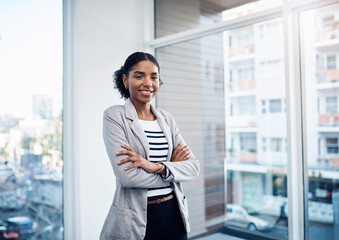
[[21, 220]]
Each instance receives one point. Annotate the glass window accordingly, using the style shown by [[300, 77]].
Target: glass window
[[257, 136], [248, 142], [31, 163], [322, 129], [270, 31], [264, 144], [198, 106], [331, 62], [327, 20], [252, 73], [332, 145], [245, 74], [177, 16], [276, 145], [246, 106], [320, 62], [331, 104], [275, 105], [263, 106]]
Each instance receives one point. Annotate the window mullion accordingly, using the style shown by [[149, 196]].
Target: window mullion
[[295, 163]]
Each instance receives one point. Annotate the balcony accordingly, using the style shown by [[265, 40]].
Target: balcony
[[327, 76], [241, 50], [329, 119], [329, 162], [327, 33], [245, 157], [244, 85], [249, 121]]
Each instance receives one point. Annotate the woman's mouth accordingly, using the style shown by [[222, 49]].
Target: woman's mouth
[[146, 93]]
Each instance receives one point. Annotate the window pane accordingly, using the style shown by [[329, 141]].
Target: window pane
[[193, 92], [180, 15], [320, 31], [255, 148], [257, 160], [275, 106], [31, 179]]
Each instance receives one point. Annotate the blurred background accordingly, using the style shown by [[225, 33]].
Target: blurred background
[[253, 86]]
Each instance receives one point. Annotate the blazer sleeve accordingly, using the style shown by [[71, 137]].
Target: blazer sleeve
[[184, 170], [114, 135]]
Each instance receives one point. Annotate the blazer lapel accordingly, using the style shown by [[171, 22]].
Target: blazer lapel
[[136, 127], [165, 128]]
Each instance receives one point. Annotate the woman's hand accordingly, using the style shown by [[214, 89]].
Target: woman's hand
[[137, 160], [181, 153]]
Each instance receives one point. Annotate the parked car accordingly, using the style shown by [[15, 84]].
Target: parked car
[[9, 236], [21, 226], [246, 217], [4, 235]]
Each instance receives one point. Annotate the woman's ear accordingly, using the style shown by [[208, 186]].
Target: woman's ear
[[124, 80]]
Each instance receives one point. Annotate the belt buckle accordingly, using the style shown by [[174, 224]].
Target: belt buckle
[[159, 200]]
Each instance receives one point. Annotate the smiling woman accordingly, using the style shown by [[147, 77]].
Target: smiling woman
[[149, 158]]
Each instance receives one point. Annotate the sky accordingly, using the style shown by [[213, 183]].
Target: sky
[[30, 53]]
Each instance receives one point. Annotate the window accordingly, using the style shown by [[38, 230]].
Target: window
[[331, 62], [321, 128], [177, 16], [276, 145], [246, 106], [320, 63], [331, 104], [332, 145], [263, 106], [197, 119], [258, 177], [245, 109], [327, 20], [245, 74], [245, 38], [248, 143], [270, 31], [264, 144], [31, 123], [275, 105]]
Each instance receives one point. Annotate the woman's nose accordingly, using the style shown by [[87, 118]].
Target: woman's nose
[[148, 81]]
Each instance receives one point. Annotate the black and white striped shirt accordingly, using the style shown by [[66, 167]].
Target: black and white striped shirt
[[158, 151]]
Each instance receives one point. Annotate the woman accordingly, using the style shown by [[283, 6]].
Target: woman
[[149, 158]]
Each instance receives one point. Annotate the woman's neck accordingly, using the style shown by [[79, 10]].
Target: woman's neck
[[143, 110]]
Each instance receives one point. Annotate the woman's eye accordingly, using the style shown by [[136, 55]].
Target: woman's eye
[[138, 77], [155, 78]]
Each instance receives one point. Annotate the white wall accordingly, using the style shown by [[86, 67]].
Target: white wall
[[102, 34]]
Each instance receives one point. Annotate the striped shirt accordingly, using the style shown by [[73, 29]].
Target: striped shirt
[[158, 151]]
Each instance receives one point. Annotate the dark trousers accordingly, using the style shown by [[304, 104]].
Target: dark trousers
[[164, 221]]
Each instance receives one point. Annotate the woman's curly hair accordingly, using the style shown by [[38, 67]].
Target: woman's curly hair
[[132, 60]]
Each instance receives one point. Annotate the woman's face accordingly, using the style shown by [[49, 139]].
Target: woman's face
[[143, 81]]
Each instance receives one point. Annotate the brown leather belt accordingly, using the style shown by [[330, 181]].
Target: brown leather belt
[[160, 200]]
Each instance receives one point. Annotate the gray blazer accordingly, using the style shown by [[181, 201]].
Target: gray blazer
[[127, 216]]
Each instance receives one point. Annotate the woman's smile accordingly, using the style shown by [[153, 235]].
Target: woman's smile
[[146, 93]]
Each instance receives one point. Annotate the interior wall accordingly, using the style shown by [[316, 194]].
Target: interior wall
[[103, 33]]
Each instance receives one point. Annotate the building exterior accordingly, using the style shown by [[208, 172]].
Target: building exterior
[[321, 51], [256, 139]]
